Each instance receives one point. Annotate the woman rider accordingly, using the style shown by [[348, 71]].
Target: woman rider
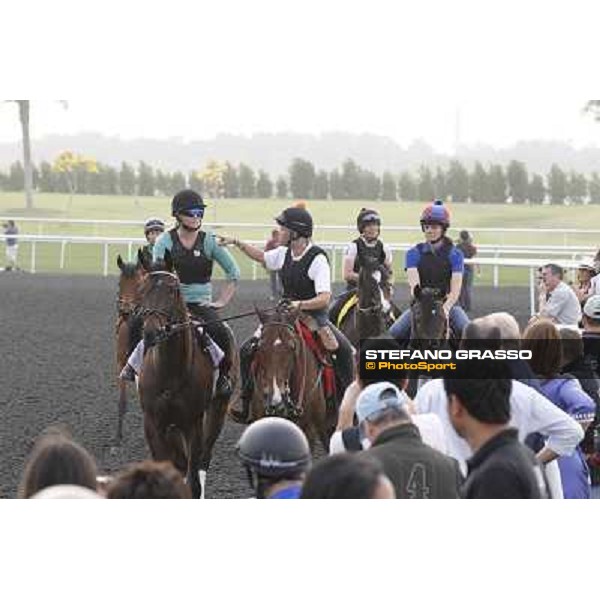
[[368, 242], [435, 263], [193, 253], [152, 230], [306, 279]]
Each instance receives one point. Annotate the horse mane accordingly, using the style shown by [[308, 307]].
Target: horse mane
[[129, 269]]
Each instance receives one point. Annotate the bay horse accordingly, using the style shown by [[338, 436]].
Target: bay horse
[[288, 378], [182, 416], [369, 318], [127, 326]]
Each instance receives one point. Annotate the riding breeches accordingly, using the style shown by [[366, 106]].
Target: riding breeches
[[217, 330], [401, 329]]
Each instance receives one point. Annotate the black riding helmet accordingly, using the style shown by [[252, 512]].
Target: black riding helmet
[[274, 448], [154, 224], [366, 216], [296, 219], [186, 200]]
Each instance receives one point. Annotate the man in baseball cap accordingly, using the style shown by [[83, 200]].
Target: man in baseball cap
[[415, 469]]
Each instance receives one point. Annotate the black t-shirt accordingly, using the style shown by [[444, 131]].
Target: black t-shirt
[[504, 468]]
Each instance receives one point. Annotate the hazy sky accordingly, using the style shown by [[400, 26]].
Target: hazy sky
[[517, 69]]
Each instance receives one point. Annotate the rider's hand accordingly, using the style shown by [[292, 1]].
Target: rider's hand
[[217, 304], [295, 304], [224, 240]]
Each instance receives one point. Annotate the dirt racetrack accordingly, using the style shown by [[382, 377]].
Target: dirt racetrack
[[57, 367]]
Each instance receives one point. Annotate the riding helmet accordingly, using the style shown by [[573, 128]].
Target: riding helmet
[[154, 224], [436, 212], [296, 219], [366, 216], [274, 448], [186, 200]]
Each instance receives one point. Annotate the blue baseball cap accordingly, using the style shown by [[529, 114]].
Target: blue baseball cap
[[377, 397]]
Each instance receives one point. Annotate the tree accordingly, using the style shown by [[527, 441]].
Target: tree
[[594, 188], [178, 182], [110, 181], [497, 182], [16, 177], [388, 187], [146, 183], [196, 182], [231, 181], [577, 187], [47, 182], [518, 180], [321, 190], [264, 185], [536, 191], [127, 179], [479, 184], [247, 181], [302, 178], [457, 182], [557, 185], [407, 187], [351, 180], [439, 184], [336, 189], [282, 188], [74, 169], [162, 183], [212, 179], [426, 190]]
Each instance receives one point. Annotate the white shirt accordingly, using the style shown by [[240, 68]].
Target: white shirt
[[531, 412], [319, 270], [595, 286], [563, 305]]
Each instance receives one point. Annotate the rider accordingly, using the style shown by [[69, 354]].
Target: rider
[[193, 253], [306, 279], [367, 243], [276, 455], [435, 263], [152, 229]]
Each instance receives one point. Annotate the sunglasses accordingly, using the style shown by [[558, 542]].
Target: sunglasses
[[193, 212]]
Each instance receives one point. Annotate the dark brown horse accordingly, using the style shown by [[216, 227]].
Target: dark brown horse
[[182, 417], [128, 327], [288, 378]]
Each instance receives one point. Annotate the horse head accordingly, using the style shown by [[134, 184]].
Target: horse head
[[427, 316], [131, 276]]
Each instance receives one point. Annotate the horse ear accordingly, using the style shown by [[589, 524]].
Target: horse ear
[[168, 261], [141, 259], [417, 291], [120, 262]]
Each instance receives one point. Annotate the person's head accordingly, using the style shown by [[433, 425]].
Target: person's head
[[465, 236], [381, 406], [435, 220], [153, 228], [591, 314], [478, 395], [273, 450], [586, 270], [275, 234], [66, 492], [188, 208], [501, 324], [11, 223], [368, 223], [148, 480], [543, 340], [294, 223], [384, 342], [54, 460], [347, 476], [571, 344], [552, 275]]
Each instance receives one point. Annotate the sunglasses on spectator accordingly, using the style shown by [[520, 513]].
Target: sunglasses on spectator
[[193, 212]]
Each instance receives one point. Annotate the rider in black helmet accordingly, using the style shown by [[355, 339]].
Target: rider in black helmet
[[306, 279], [276, 455], [152, 229]]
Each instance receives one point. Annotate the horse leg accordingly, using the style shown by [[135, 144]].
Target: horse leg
[[122, 411], [156, 444], [195, 479]]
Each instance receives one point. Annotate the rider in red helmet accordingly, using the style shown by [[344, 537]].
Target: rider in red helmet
[[435, 263]]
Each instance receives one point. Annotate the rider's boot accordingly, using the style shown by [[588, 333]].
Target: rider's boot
[[328, 340], [246, 355]]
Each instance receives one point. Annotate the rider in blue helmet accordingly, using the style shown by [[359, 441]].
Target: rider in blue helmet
[[435, 263]]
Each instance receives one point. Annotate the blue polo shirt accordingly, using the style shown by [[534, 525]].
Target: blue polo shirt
[[289, 493], [413, 257]]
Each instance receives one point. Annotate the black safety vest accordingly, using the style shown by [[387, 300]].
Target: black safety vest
[[377, 251], [435, 270], [192, 266], [147, 253], [297, 285]]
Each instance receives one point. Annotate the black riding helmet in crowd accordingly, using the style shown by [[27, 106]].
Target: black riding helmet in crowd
[[154, 224], [187, 201], [296, 219], [365, 217], [273, 449]]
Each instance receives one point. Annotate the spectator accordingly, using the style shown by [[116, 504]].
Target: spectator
[[591, 332], [148, 480], [557, 300], [272, 243], [276, 456], [347, 477], [585, 274], [55, 460], [12, 244], [415, 469], [469, 250], [544, 342], [479, 410]]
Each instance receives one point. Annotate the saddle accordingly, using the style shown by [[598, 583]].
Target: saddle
[[325, 335]]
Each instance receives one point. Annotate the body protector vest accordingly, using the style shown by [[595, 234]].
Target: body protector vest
[[377, 251], [192, 266], [435, 270], [297, 285]]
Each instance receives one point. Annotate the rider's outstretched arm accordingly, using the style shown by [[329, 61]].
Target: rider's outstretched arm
[[248, 249]]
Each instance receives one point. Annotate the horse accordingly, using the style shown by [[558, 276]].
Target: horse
[[182, 416], [368, 317], [288, 378], [127, 327]]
